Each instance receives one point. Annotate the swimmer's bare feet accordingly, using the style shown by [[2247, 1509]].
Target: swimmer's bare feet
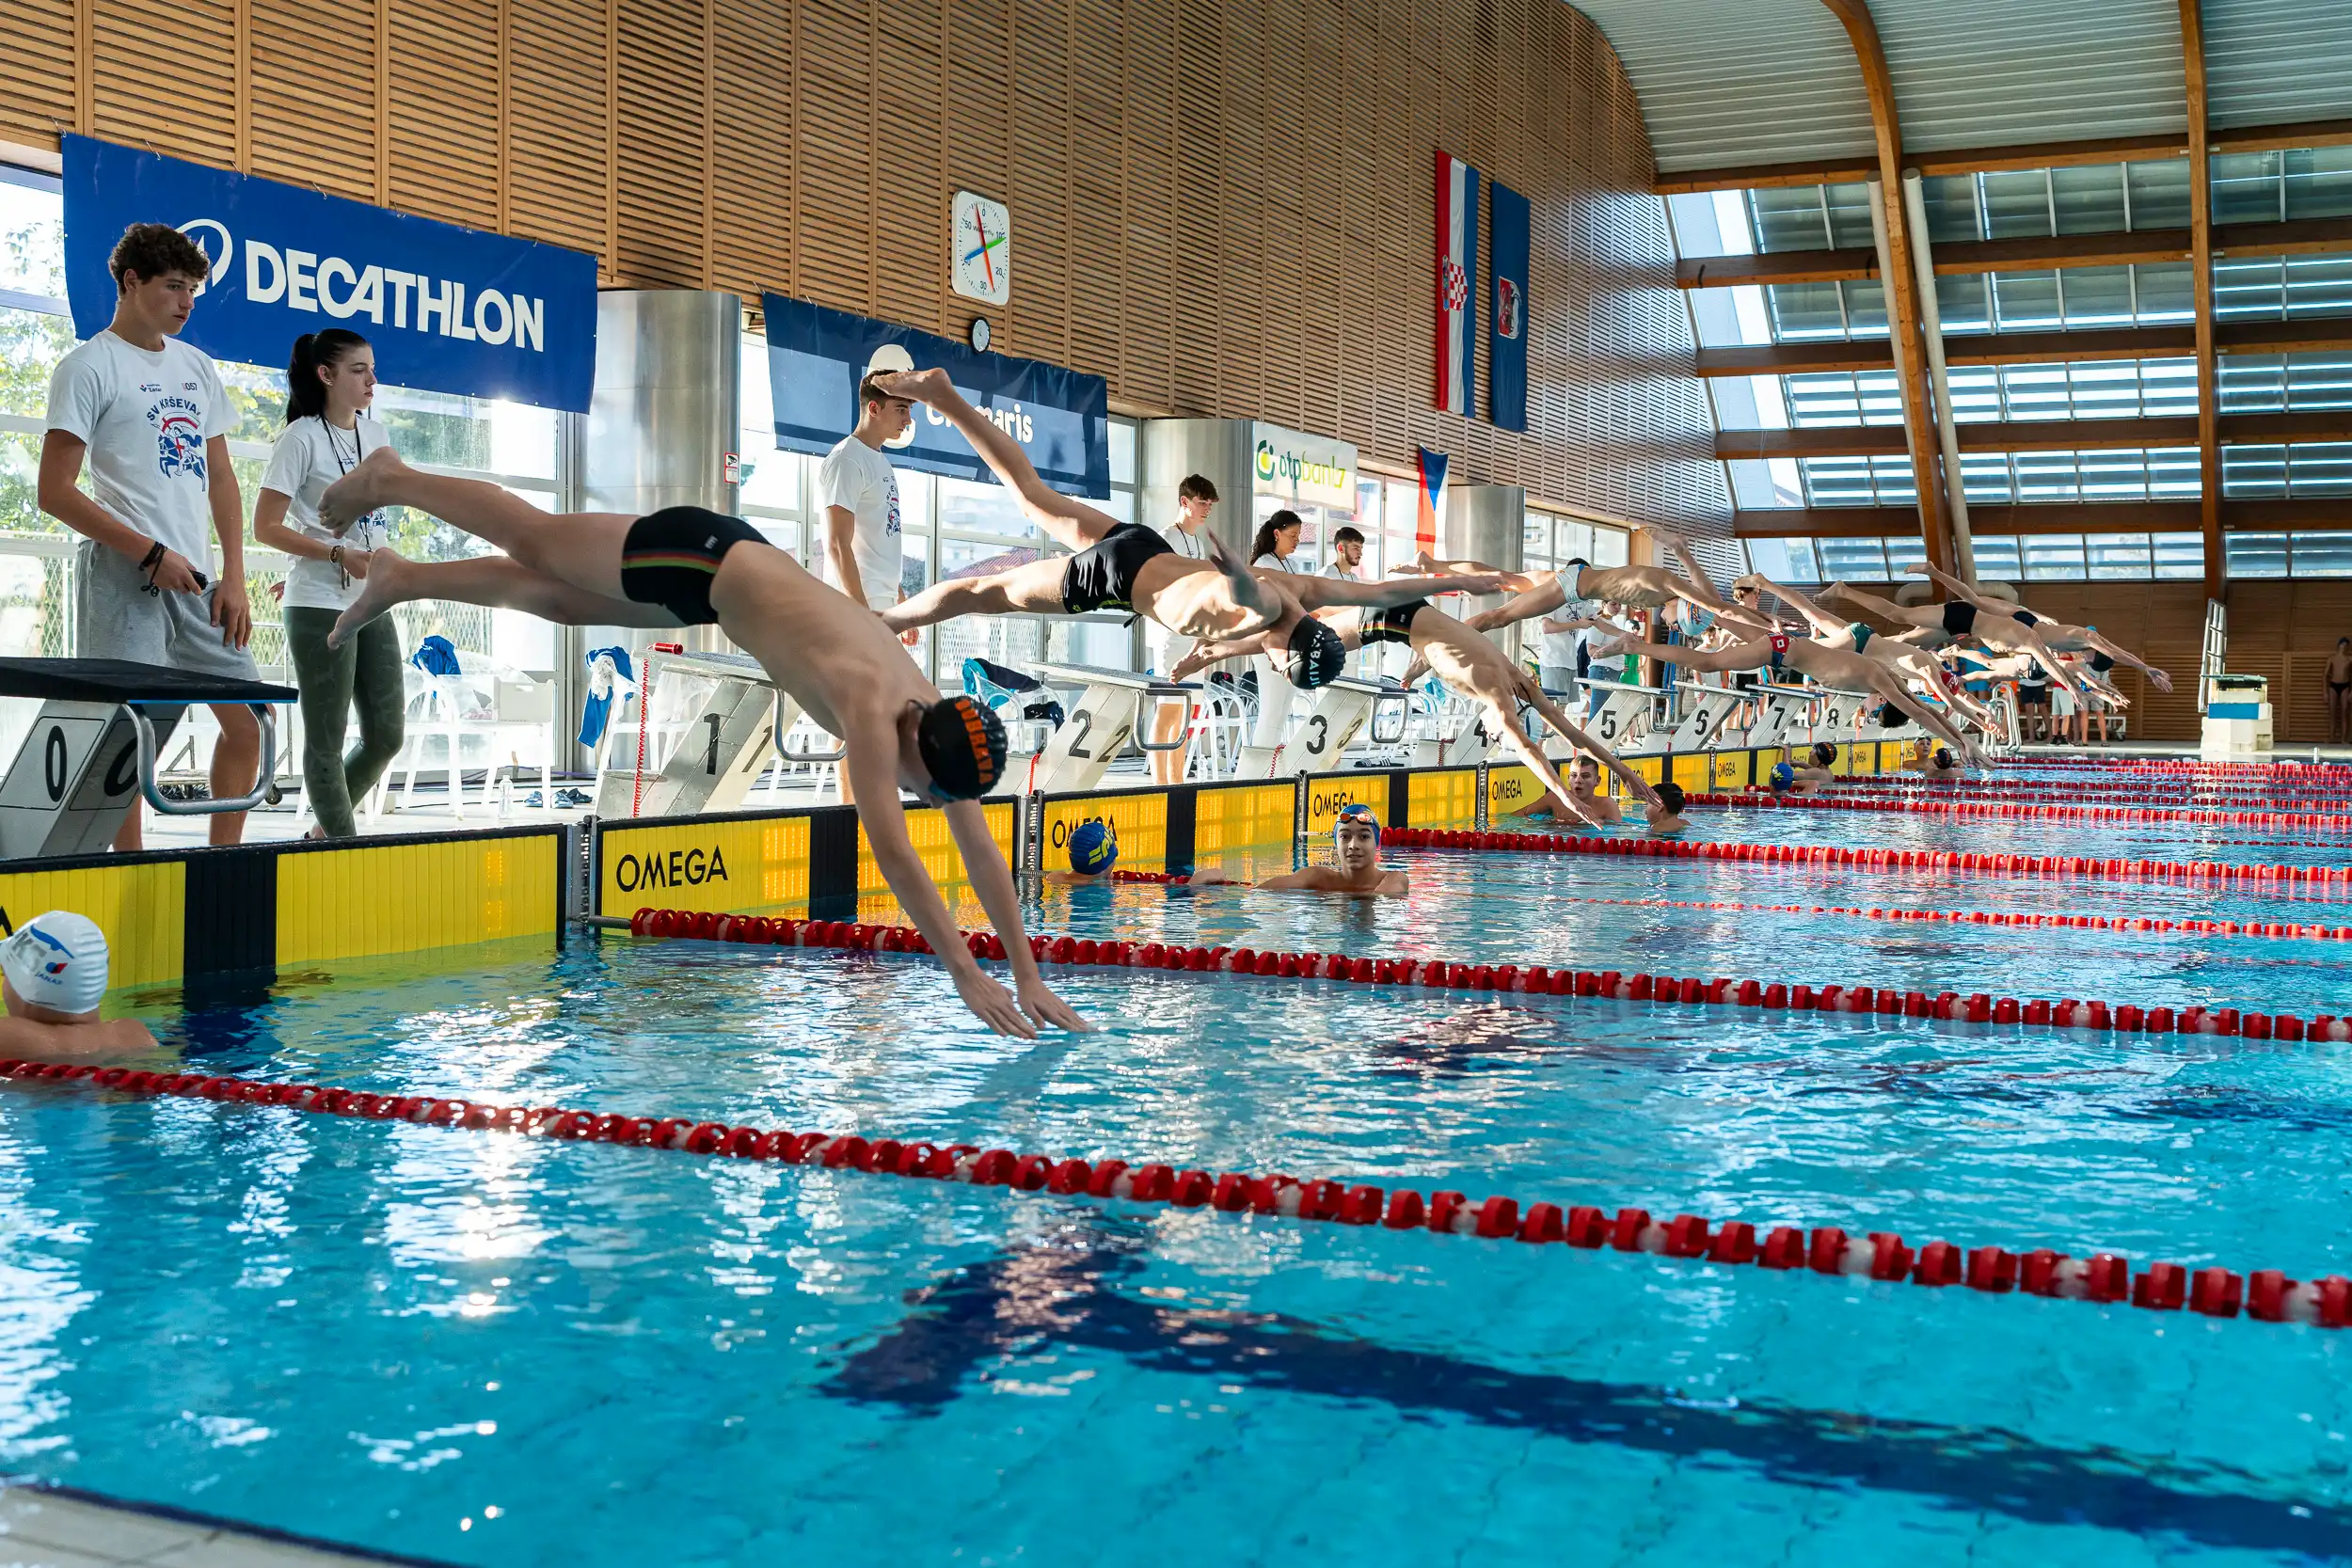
[[360, 491], [382, 588]]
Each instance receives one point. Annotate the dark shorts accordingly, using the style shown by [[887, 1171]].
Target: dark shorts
[[2033, 696], [1394, 624], [1103, 575], [1747, 680], [1959, 617], [670, 556], [2027, 618]]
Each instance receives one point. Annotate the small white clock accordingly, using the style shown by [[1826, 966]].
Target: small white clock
[[979, 254], [980, 334]]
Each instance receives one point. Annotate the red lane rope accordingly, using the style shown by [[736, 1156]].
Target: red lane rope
[[2267, 1295], [1855, 800], [2324, 881], [1987, 917]]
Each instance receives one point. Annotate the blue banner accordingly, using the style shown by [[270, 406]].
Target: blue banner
[[817, 357], [1506, 368], [447, 309]]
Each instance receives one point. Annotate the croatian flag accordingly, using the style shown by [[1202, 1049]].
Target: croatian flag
[[1457, 282]]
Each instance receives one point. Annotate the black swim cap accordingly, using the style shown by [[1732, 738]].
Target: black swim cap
[[1670, 795], [962, 745], [1891, 717], [1317, 655]]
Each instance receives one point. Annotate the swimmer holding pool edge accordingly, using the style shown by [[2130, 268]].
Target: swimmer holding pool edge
[[1356, 866], [52, 973]]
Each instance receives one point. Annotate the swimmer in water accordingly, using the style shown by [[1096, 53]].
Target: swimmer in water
[[1355, 866], [1663, 816], [55, 969], [1093, 853], [684, 566], [1817, 770], [1666, 816], [1938, 764]]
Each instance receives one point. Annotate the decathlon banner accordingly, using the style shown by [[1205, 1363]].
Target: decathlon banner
[[1457, 282], [447, 309], [817, 357], [1506, 357]]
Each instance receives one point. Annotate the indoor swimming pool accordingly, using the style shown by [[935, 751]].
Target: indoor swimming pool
[[494, 1349]]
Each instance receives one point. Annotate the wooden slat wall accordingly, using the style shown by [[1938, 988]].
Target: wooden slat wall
[[1221, 206]]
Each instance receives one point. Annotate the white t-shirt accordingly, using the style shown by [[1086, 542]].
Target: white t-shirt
[[145, 418], [859, 480], [309, 457], [1333, 569], [1272, 563]]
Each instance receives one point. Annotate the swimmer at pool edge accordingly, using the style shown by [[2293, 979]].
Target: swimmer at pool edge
[[1356, 869], [684, 565], [1093, 851], [52, 973]]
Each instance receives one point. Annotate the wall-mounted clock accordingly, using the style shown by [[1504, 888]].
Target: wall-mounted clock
[[979, 256], [980, 334]]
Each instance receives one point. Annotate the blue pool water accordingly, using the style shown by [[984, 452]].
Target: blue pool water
[[493, 1349]]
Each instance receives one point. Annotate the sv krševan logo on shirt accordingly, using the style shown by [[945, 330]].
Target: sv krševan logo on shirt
[[179, 437], [281, 274]]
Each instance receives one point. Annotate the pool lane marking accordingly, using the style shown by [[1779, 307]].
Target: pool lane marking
[[2327, 880], [2267, 1295]]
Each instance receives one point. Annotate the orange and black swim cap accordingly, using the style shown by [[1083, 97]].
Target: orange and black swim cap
[[962, 744]]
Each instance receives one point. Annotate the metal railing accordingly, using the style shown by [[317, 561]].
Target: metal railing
[[2215, 657]]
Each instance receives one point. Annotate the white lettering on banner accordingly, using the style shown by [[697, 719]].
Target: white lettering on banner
[[482, 303], [458, 327], [400, 281], [258, 256], [432, 304], [300, 280], [303, 281], [1014, 422]]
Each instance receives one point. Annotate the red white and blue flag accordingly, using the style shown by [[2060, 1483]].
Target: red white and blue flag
[[1457, 283], [1432, 468]]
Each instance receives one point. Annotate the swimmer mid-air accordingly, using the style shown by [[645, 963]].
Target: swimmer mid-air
[[2061, 637], [1468, 664], [1117, 565], [1634, 587], [687, 566]]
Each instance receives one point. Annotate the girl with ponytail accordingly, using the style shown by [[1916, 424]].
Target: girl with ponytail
[[330, 382]]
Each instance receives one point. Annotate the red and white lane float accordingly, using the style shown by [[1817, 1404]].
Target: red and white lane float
[[2267, 1295]]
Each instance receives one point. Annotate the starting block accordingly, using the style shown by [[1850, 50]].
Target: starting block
[[1340, 711], [1623, 723], [1787, 708], [723, 743], [1100, 723], [92, 749], [1709, 706]]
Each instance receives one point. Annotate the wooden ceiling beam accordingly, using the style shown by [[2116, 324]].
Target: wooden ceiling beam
[[1903, 315], [2309, 335], [2008, 435], [2200, 260], [2159, 517]]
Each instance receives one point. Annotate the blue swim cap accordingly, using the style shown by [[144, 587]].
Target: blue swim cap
[[1355, 811], [1783, 775], [1093, 847]]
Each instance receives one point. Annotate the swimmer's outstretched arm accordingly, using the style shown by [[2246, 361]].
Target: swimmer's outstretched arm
[[1203, 654], [1754, 654], [1576, 736], [1924, 617], [1823, 621], [1069, 520], [872, 765], [1542, 599], [992, 882], [1695, 573], [1322, 592]]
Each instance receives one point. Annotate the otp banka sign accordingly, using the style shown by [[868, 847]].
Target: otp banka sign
[[447, 309]]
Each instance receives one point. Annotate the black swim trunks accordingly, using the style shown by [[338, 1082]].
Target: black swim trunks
[[1103, 575], [1959, 617], [1392, 624], [2026, 618], [2101, 663], [670, 556]]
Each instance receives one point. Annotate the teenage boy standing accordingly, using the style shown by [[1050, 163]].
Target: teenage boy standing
[[151, 415]]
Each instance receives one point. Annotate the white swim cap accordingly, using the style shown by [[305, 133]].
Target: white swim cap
[[58, 961]]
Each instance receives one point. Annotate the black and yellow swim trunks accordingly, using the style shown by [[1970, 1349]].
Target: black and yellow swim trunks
[[1103, 575], [670, 556], [1392, 624]]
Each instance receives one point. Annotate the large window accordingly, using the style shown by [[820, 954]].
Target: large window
[[516, 446], [2000, 558]]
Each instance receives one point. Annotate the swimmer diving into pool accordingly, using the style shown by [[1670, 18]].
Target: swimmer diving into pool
[[1468, 664], [686, 566], [1355, 866], [1117, 565], [2062, 637]]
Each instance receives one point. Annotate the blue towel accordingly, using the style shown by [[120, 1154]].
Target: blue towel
[[436, 656], [603, 691]]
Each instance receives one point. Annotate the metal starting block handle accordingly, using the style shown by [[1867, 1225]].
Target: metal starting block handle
[[264, 781]]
